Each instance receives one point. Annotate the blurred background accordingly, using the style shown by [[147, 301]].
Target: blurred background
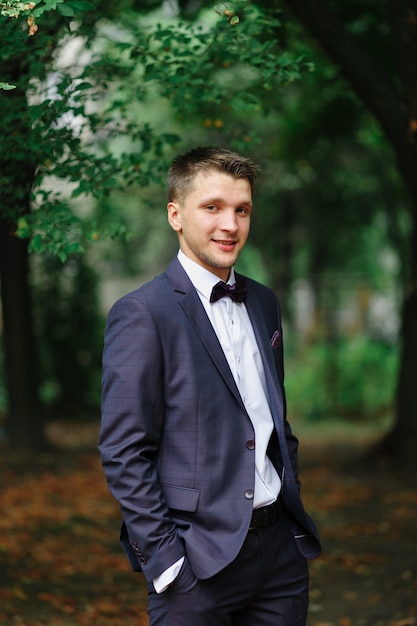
[[96, 98]]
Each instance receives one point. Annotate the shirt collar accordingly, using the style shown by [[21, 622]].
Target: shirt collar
[[202, 279]]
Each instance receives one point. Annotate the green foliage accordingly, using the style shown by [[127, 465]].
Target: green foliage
[[75, 135], [87, 139], [331, 199], [31, 11], [243, 60], [350, 378], [69, 8]]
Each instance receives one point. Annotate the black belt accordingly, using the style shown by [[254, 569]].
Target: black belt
[[266, 515]]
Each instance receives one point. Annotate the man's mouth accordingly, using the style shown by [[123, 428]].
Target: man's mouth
[[225, 242]]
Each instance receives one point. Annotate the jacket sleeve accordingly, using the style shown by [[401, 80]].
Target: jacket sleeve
[[132, 420]]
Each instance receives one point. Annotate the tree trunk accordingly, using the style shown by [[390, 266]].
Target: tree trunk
[[18, 162], [23, 426], [400, 443]]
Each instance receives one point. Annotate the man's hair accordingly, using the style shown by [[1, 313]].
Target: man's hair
[[202, 160]]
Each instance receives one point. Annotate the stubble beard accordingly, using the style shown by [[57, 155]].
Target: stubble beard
[[216, 263]]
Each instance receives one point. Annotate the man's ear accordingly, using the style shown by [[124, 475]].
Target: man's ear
[[174, 216]]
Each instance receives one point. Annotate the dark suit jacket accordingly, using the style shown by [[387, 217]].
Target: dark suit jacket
[[174, 428]]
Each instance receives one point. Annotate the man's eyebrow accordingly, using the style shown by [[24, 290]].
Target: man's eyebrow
[[220, 200]]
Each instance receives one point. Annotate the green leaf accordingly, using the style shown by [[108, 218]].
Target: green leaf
[[246, 102], [74, 7], [62, 255], [36, 243], [51, 4], [84, 187], [23, 228], [83, 86], [81, 5], [7, 86], [171, 138], [71, 248], [67, 11]]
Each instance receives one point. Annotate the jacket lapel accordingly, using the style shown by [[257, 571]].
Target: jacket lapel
[[257, 319], [191, 304]]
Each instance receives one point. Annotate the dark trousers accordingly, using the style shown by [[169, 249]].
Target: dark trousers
[[266, 585]]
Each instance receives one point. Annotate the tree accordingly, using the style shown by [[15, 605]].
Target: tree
[[357, 36], [43, 141], [60, 122]]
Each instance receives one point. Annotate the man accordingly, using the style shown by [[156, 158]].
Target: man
[[194, 437]]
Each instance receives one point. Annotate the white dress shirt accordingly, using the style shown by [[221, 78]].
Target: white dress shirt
[[233, 328]]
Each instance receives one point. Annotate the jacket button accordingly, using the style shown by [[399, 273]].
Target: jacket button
[[249, 494], [250, 444]]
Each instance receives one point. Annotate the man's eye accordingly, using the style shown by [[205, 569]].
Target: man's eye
[[211, 207]]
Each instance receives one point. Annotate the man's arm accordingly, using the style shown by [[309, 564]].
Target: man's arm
[[132, 418]]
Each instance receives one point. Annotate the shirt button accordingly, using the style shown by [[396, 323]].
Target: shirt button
[[250, 444], [249, 494]]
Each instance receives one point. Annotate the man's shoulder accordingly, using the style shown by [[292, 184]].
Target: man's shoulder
[[151, 290], [259, 289], [160, 290]]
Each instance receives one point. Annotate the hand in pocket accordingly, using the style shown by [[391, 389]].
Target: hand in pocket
[[186, 579]]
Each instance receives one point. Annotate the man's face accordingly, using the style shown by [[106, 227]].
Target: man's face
[[213, 220]]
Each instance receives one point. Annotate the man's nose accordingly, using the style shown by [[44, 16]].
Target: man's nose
[[228, 221]]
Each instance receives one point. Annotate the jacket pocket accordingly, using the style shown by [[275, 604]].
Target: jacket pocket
[[181, 498]]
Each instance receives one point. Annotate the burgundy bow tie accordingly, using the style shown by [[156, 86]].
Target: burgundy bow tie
[[237, 291]]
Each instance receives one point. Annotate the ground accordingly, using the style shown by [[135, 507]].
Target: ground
[[61, 564]]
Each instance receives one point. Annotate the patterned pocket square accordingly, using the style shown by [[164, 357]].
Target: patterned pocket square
[[276, 340]]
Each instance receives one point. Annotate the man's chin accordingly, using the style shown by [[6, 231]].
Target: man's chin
[[225, 263]]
